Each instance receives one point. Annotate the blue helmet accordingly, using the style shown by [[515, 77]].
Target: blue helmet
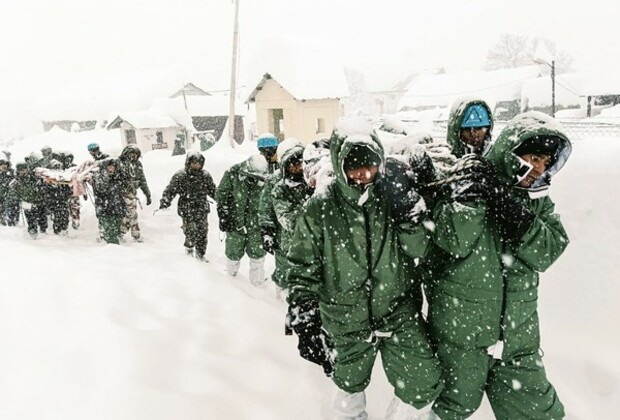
[[93, 146], [476, 115], [267, 140]]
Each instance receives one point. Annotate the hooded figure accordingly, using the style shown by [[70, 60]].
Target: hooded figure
[[288, 196], [25, 192], [56, 196], [238, 199], [109, 204], [483, 308], [470, 126], [349, 284], [271, 230], [133, 178], [8, 214], [194, 185]]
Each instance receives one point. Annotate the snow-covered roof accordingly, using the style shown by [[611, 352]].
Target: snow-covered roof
[[143, 119], [321, 85], [190, 89], [537, 92], [429, 90], [209, 106], [600, 82]]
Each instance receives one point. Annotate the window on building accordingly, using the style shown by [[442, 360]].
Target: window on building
[[320, 125], [276, 122], [160, 137], [130, 135]]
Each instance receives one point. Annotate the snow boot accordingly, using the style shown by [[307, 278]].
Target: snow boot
[[257, 271], [399, 410], [347, 406], [232, 267]]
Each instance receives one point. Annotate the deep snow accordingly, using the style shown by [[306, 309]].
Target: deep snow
[[140, 331]]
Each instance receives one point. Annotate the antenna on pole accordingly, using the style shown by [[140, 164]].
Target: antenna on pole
[[233, 78]]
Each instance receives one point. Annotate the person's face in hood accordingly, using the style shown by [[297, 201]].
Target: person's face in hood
[[269, 153], [3, 168], [362, 176], [474, 138], [111, 169], [195, 166], [295, 172], [539, 162]]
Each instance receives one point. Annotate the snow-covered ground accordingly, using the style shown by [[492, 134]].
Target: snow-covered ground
[[140, 331]]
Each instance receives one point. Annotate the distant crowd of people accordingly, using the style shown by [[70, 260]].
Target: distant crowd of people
[[362, 233]]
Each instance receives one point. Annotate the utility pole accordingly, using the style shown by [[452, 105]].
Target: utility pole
[[233, 78], [553, 88]]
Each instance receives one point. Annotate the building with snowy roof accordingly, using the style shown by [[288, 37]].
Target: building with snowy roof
[[148, 130], [293, 105], [499, 88]]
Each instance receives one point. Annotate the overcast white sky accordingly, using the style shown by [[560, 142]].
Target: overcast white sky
[[56, 46]]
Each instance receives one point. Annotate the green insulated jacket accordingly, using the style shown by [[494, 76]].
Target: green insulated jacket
[[487, 285], [239, 192], [457, 113], [345, 254], [288, 199]]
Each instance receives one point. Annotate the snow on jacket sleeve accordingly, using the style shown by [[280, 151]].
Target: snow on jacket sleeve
[[546, 239], [458, 226], [224, 196]]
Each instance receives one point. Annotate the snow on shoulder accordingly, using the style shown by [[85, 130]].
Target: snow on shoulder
[[355, 130]]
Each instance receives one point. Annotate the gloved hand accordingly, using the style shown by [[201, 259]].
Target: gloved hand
[[148, 200], [268, 234], [511, 217], [314, 343], [225, 224], [163, 204]]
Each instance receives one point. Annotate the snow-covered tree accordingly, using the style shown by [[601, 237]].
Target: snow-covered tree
[[518, 50]]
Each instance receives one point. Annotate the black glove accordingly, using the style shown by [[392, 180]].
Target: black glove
[[225, 224], [423, 169], [314, 344], [148, 200], [511, 217], [268, 234]]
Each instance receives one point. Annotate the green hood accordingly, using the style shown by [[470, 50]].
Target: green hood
[[345, 136], [457, 113], [519, 129]]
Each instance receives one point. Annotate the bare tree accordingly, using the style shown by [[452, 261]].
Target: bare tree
[[518, 50]]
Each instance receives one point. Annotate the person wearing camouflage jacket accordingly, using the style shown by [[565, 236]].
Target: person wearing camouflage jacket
[[500, 230], [133, 178], [347, 265], [237, 207], [194, 185]]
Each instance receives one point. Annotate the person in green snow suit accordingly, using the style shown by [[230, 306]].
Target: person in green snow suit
[[109, 204], [237, 208], [288, 196], [470, 126], [194, 185], [500, 230], [25, 192], [346, 264]]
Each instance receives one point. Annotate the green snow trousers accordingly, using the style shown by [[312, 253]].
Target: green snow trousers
[[407, 358], [240, 243], [279, 274], [517, 388], [111, 228]]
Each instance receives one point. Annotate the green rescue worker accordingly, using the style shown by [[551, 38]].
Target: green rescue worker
[[470, 126], [288, 196], [499, 229], [237, 208], [109, 204], [349, 285]]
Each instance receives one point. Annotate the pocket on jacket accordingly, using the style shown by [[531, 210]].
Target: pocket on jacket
[[463, 322]]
